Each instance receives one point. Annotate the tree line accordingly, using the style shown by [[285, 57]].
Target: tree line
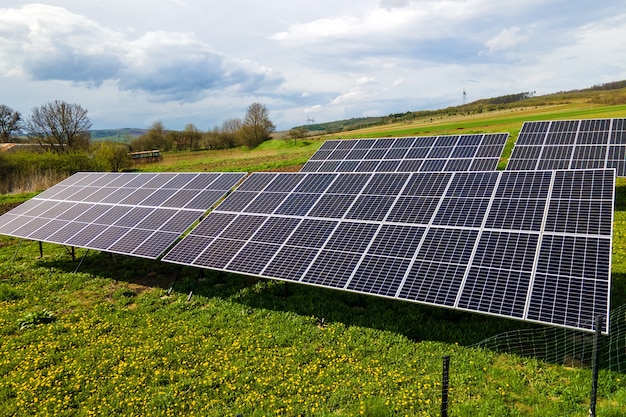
[[62, 127], [255, 128], [61, 131]]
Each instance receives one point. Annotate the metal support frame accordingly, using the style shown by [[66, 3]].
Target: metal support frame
[[596, 367], [40, 249]]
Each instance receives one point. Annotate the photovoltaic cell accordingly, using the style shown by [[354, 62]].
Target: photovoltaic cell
[[418, 154], [570, 144], [140, 214]]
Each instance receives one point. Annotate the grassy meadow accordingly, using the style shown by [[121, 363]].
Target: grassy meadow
[[108, 340]]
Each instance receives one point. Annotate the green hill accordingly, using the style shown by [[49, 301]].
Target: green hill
[[116, 135]]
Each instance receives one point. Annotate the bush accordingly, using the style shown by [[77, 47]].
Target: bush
[[30, 171], [111, 156]]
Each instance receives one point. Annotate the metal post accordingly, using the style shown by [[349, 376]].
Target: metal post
[[17, 250], [73, 254], [40, 249], [596, 367], [81, 261], [445, 381], [169, 291], [200, 275]]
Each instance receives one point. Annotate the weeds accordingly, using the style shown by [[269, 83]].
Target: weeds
[[35, 318]]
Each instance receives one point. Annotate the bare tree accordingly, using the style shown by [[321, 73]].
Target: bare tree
[[10, 123], [257, 126], [191, 136], [156, 137], [60, 126]]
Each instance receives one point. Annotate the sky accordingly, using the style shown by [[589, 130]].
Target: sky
[[131, 63]]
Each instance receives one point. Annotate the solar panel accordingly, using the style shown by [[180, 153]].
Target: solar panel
[[571, 144], [478, 152], [139, 214], [505, 243]]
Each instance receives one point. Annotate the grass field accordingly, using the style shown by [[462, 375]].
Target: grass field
[[108, 340]]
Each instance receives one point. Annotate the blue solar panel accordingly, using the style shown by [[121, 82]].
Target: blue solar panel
[[570, 144], [489, 242], [432, 153], [114, 211]]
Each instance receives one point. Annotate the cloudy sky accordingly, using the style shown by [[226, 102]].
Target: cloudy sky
[[133, 62]]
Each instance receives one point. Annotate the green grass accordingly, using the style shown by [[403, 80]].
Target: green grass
[[118, 345], [275, 154]]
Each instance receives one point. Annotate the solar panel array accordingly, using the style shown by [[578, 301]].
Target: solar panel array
[[139, 214], [571, 144], [531, 245], [478, 152]]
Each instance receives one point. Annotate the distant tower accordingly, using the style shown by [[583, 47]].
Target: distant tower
[[310, 120], [464, 97]]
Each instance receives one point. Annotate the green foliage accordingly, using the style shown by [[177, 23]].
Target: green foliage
[[110, 156], [35, 318], [8, 293], [28, 171]]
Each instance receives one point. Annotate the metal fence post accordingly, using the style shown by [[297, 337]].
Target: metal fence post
[[445, 381], [596, 367]]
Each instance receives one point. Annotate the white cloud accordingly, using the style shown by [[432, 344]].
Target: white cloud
[[506, 39], [56, 44], [182, 61]]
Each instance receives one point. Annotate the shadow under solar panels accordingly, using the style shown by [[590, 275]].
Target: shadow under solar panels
[[503, 243], [138, 214]]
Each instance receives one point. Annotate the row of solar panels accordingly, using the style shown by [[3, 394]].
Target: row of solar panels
[[571, 144], [502, 243]]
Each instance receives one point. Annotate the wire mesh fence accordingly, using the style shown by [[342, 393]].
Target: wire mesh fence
[[566, 347]]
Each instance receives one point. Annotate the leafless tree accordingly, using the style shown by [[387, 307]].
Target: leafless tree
[[10, 123], [257, 126], [191, 136], [60, 126]]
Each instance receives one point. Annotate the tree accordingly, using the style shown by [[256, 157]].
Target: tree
[[298, 133], [257, 126], [190, 137], [111, 156], [60, 126], [10, 123], [155, 138]]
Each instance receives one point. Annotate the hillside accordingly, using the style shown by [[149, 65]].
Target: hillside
[[608, 94], [116, 135]]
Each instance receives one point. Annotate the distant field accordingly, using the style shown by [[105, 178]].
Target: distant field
[[283, 154]]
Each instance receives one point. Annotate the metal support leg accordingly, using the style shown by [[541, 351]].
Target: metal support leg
[[17, 250], [40, 249], [200, 275], [81, 261], [73, 254], [169, 291]]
